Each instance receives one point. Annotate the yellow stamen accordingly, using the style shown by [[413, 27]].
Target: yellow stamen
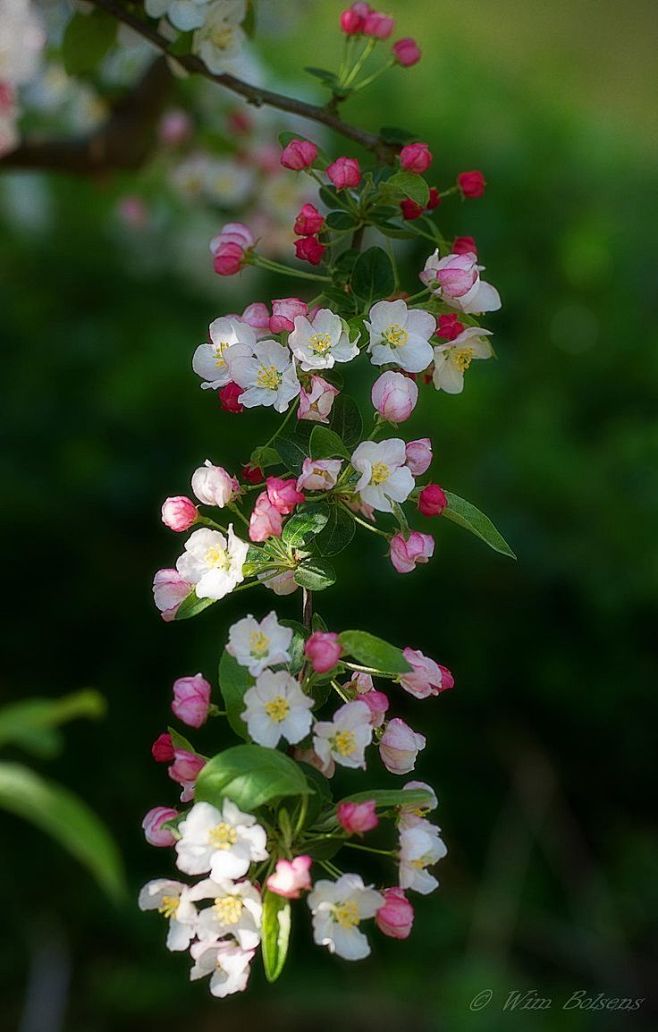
[[421, 863], [277, 708], [320, 342], [269, 377], [461, 358], [380, 473], [396, 335], [347, 914], [344, 743], [222, 836], [169, 906], [221, 37], [218, 557], [259, 644], [219, 350], [228, 909]]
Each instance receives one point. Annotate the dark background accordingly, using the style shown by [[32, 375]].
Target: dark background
[[543, 755]]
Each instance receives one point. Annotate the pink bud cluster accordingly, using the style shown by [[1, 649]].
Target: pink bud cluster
[[230, 248]]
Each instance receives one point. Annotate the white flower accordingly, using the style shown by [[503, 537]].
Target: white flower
[[173, 900], [237, 910], [456, 280], [420, 846], [338, 908], [266, 372], [219, 39], [224, 842], [400, 335], [283, 583], [227, 964], [319, 474], [451, 360], [384, 476], [183, 14], [277, 708], [413, 815], [259, 645], [212, 562], [22, 38], [320, 343], [229, 182], [345, 738], [212, 485], [209, 361]]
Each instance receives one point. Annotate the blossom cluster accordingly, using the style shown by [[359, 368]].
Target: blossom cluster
[[21, 41], [216, 25]]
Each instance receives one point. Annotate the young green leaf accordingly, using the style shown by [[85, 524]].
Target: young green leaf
[[325, 443], [373, 277], [250, 775], [385, 797], [275, 933], [337, 534], [315, 575], [234, 680], [192, 606], [341, 220], [293, 451], [32, 723], [410, 185], [467, 516], [179, 741], [372, 652], [87, 39], [304, 525], [264, 457]]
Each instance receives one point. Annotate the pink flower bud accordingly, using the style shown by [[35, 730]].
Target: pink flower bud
[[396, 917], [323, 649], [309, 221], [191, 700], [432, 500], [229, 398], [154, 833], [380, 26], [283, 494], [394, 395], [299, 154], [233, 233], [426, 677], [419, 456], [257, 315], [344, 172], [162, 749], [228, 259], [415, 157], [252, 474], [471, 184], [185, 770], [456, 275], [406, 52], [284, 311], [361, 8], [291, 877], [315, 405], [169, 590], [411, 209], [214, 486], [133, 212], [309, 249], [399, 746], [179, 513], [351, 23], [319, 474], [362, 683], [406, 555], [175, 127], [449, 326], [356, 818], [377, 703], [464, 245], [265, 520], [434, 199]]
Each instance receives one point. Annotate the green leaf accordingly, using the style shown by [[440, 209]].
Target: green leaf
[[389, 229], [179, 741], [373, 277], [192, 606], [250, 775], [87, 39], [325, 76], [331, 198], [315, 575], [32, 723], [293, 451], [264, 457], [325, 443], [384, 797], [341, 220], [65, 818], [296, 650], [411, 185], [337, 534], [304, 525], [182, 44], [467, 516], [345, 420], [373, 652], [322, 798], [234, 680], [275, 933], [393, 134]]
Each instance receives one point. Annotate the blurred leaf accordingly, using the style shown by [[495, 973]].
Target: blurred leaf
[[337, 534], [250, 775], [373, 277], [384, 797], [65, 818], [263, 457], [393, 134], [341, 220], [408, 184], [31, 724], [467, 516], [87, 39], [345, 420], [325, 443], [315, 575], [293, 451], [275, 933], [234, 680], [373, 652], [325, 76]]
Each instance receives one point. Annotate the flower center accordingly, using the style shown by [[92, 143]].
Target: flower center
[[277, 708], [462, 358], [228, 909], [344, 743], [347, 914], [216, 556], [421, 863], [320, 342], [259, 644], [380, 473], [169, 906], [222, 37], [219, 350], [269, 377], [222, 836], [396, 335]]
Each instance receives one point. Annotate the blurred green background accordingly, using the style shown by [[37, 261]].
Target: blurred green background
[[543, 755]]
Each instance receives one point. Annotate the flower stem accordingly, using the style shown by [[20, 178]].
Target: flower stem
[[369, 849], [287, 270]]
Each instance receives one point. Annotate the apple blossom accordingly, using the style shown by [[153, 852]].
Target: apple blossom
[[309, 249], [432, 500], [223, 841], [265, 520], [338, 909], [345, 738], [419, 456], [426, 678], [384, 476], [257, 316], [320, 342], [154, 833], [220, 38], [420, 846], [309, 221], [452, 360], [351, 22], [310, 757], [183, 14], [214, 486], [185, 770], [394, 396], [406, 554], [323, 649], [299, 154], [357, 818], [212, 562], [456, 280], [377, 703], [225, 962], [179, 513], [464, 245], [471, 184], [291, 877], [415, 814], [172, 900], [377, 25], [229, 248], [276, 707], [400, 335], [237, 910], [415, 157], [406, 52], [170, 588], [284, 311], [284, 494], [259, 645], [162, 749], [399, 746], [361, 683], [209, 361], [283, 583], [396, 917], [229, 398], [266, 374], [319, 474], [344, 173], [191, 700]]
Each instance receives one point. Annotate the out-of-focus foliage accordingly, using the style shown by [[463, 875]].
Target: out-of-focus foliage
[[543, 752]]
